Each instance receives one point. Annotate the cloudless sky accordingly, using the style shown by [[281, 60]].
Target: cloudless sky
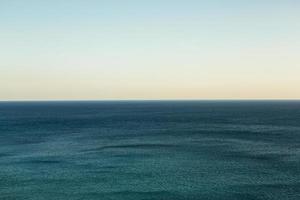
[[149, 49]]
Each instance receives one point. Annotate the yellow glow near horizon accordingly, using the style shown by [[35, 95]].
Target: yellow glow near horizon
[[156, 50]]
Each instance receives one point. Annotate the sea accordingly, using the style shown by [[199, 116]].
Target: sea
[[150, 150]]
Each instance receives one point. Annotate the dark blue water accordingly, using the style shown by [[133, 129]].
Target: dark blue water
[[171, 150]]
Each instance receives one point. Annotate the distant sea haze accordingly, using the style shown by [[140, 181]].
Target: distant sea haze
[[165, 150]]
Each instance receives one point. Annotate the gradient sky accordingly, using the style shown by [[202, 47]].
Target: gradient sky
[[154, 49]]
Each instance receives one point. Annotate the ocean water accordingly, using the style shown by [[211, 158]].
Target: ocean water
[[132, 150]]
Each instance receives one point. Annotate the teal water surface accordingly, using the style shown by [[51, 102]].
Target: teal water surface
[[131, 150]]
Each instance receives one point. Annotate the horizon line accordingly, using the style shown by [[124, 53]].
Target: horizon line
[[115, 100]]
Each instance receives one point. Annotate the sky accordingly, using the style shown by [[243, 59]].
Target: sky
[[142, 49]]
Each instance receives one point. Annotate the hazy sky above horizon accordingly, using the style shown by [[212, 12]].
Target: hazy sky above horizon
[[158, 49]]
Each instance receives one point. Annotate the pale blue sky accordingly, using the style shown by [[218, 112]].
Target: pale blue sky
[[158, 49]]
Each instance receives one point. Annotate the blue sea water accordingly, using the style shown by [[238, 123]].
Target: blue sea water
[[165, 150]]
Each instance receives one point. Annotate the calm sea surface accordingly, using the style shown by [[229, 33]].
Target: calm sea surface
[[132, 150]]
